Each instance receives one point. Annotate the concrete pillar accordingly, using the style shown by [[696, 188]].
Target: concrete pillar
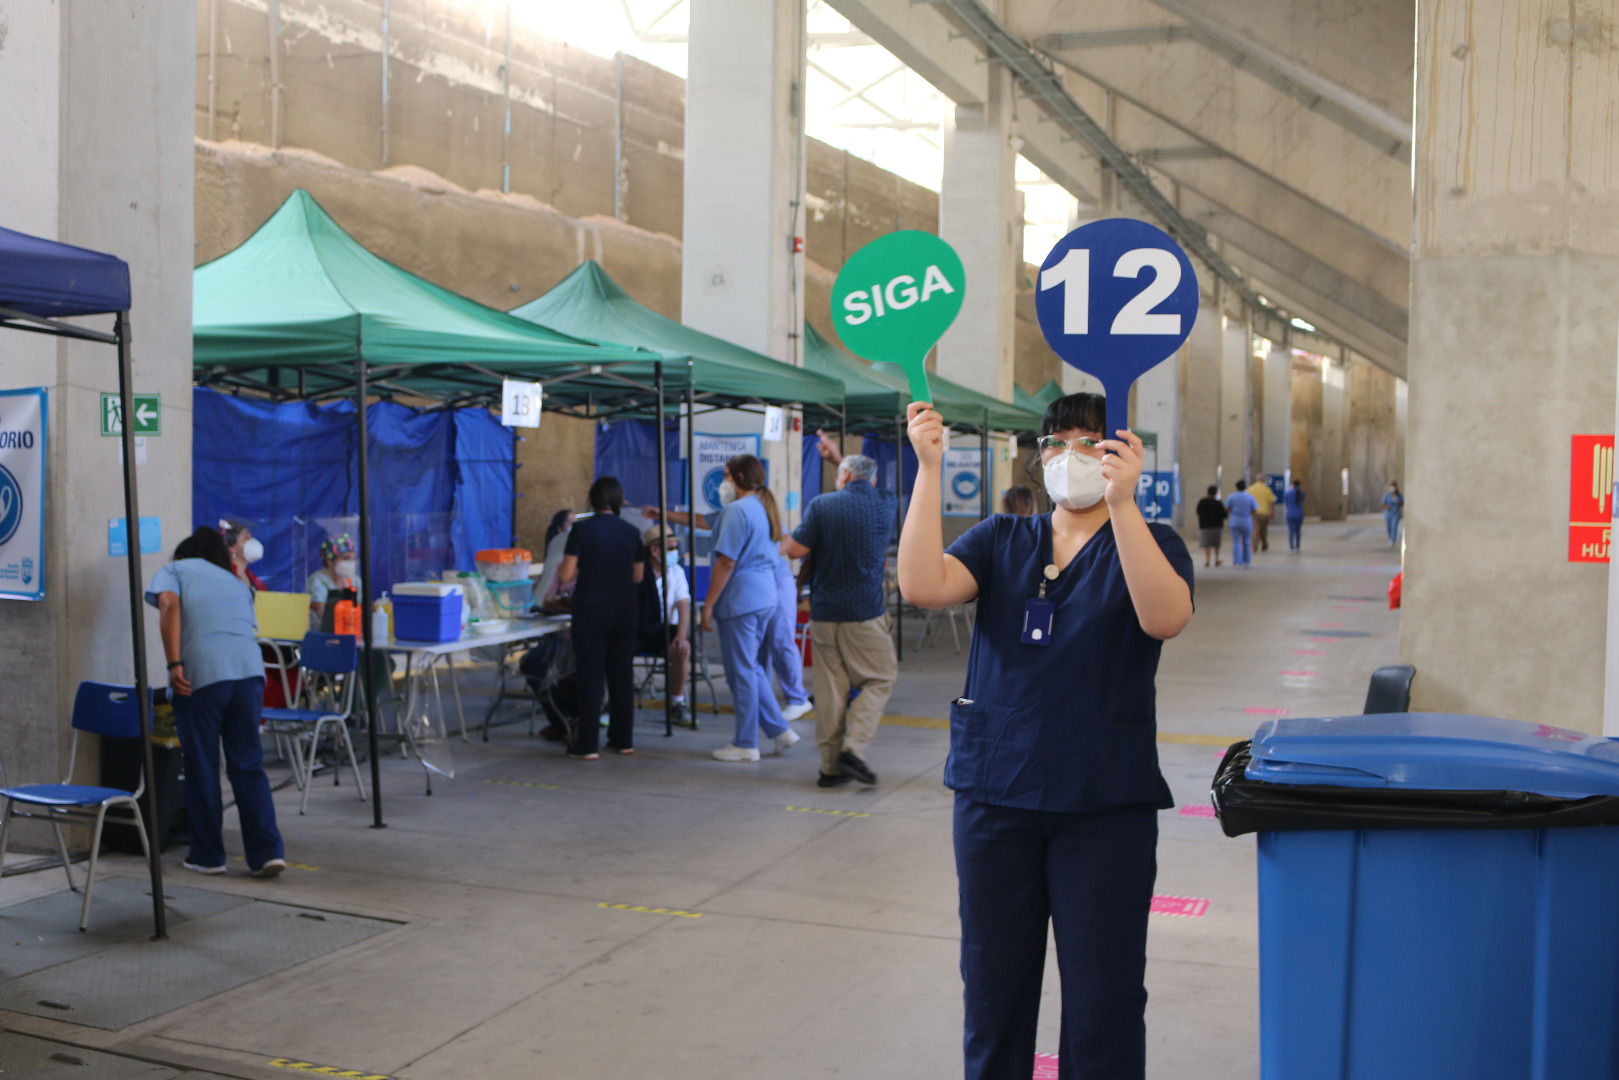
[[744, 180], [1514, 310], [1158, 409], [1276, 447], [1332, 451], [1235, 402], [99, 134], [980, 215], [1201, 414], [1372, 435]]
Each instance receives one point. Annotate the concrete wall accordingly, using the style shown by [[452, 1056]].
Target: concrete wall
[[1515, 306], [98, 154], [1373, 432], [570, 108], [1304, 457]]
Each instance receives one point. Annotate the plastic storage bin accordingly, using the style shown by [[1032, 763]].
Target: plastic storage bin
[[504, 564], [1436, 897], [427, 611]]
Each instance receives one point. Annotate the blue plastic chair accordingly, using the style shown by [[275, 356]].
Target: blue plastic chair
[[328, 662], [100, 709]]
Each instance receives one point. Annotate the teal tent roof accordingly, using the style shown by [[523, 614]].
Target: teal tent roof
[[588, 303], [302, 293], [884, 391]]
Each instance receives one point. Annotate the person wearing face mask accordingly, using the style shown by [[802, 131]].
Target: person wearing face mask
[[1053, 754], [244, 549], [742, 595], [338, 571], [669, 620]]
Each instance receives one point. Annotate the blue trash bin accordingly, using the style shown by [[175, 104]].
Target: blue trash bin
[[1438, 897]]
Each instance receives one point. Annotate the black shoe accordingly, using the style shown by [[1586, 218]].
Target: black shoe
[[853, 766], [830, 780]]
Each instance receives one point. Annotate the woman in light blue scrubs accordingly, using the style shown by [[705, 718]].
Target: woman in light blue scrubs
[[743, 597], [1053, 754]]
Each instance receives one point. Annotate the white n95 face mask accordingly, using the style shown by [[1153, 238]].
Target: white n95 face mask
[[252, 551], [346, 569], [1074, 481], [727, 493]]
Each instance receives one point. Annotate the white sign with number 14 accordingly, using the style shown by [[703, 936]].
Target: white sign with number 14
[[520, 403]]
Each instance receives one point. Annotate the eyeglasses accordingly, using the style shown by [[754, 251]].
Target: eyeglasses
[[1050, 444]]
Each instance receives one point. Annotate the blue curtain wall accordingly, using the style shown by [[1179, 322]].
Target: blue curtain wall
[[628, 451], [441, 483]]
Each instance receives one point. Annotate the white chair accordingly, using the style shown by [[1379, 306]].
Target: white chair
[[328, 665], [100, 709]]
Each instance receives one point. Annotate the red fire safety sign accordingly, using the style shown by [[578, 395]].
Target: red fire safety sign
[[1590, 498]]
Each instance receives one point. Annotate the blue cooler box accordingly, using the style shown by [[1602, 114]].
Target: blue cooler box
[[1484, 949], [427, 618]]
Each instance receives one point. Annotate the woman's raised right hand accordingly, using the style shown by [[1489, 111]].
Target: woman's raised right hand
[[926, 430]]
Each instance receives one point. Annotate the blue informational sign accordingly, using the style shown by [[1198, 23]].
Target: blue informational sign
[[1116, 298], [23, 416], [1156, 495], [118, 536]]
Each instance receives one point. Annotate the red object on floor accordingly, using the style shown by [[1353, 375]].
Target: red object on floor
[[801, 637], [1394, 590]]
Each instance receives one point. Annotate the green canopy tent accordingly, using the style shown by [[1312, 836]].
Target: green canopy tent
[[1049, 393], [301, 310], [589, 304]]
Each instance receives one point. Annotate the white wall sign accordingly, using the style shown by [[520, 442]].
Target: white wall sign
[[963, 484], [22, 493], [773, 423], [712, 452], [520, 403]]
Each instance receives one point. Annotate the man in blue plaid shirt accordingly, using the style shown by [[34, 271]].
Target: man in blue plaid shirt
[[845, 535]]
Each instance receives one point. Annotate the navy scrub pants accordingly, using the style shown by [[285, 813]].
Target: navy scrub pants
[[1091, 876], [226, 712]]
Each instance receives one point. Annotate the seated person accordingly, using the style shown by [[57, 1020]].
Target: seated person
[[338, 568], [554, 596], [667, 582]]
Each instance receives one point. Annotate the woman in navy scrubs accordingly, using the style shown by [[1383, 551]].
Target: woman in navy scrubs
[[1053, 754]]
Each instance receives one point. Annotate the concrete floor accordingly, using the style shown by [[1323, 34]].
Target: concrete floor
[[796, 932]]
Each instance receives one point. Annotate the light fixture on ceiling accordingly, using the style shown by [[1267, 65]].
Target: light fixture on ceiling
[[1302, 325]]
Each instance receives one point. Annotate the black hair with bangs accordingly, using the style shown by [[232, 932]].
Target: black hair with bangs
[[1076, 412]]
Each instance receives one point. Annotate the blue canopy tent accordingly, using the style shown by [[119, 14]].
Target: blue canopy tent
[[43, 282]]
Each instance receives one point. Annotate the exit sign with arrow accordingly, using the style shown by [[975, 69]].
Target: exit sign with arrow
[[148, 414]]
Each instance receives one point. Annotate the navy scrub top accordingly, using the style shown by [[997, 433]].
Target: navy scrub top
[[1070, 727]]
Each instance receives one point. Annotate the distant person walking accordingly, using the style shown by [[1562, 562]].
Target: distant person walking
[[845, 533], [1293, 502], [1393, 511], [1242, 507], [216, 684], [1266, 500], [1211, 515]]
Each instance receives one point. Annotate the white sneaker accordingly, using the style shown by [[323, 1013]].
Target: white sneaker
[[796, 712], [270, 869], [204, 869], [786, 739], [736, 753]]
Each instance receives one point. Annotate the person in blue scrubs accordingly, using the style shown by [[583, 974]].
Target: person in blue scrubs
[[1053, 754], [1242, 506], [1293, 500], [744, 598], [216, 685]]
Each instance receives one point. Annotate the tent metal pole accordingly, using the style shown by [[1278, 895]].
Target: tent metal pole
[[691, 548], [137, 615], [986, 471], [364, 674], [663, 525], [899, 527]]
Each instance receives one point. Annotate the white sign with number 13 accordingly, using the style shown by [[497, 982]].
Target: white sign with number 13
[[520, 403]]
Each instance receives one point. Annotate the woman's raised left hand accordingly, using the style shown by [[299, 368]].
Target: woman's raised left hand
[[1121, 465]]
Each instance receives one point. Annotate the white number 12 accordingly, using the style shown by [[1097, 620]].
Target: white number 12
[[1073, 271]]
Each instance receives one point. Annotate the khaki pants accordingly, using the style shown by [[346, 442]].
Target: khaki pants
[[1262, 532], [850, 655]]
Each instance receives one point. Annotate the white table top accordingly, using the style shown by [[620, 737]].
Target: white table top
[[521, 630]]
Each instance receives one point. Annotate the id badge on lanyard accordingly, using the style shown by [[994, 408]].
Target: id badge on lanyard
[[1040, 613]]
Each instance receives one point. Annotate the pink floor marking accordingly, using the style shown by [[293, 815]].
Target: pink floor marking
[[1186, 907], [1257, 711], [1198, 811], [1323, 640], [1045, 1067], [1309, 652]]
